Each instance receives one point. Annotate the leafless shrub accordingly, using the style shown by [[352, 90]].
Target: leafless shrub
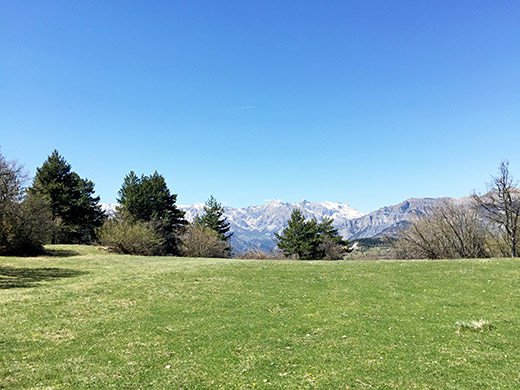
[[501, 207], [201, 241], [258, 254], [449, 231], [24, 220]]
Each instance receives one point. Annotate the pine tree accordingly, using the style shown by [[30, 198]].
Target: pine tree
[[75, 209], [310, 240], [331, 245], [326, 228], [148, 199], [299, 238], [214, 219]]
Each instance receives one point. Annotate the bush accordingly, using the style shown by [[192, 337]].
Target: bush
[[448, 232], [330, 250], [258, 254], [201, 241], [25, 220], [133, 238], [16, 238]]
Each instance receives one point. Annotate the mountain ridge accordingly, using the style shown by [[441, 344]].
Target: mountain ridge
[[254, 226]]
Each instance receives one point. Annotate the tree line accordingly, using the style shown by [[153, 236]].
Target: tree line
[[60, 207]]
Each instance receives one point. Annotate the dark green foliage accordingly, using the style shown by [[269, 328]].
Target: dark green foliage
[[136, 238], [26, 227], [24, 219], [75, 209], [147, 199], [214, 219], [299, 237], [310, 240], [327, 229]]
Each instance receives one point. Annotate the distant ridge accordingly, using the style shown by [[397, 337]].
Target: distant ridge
[[254, 226]]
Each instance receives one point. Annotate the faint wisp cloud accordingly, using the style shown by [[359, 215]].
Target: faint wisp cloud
[[244, 108]]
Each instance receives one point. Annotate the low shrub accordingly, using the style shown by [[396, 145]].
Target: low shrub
[[16, 239], [449, 231], [201, 241], [24, 219], [258, 254], [25, 227], [134, 238]]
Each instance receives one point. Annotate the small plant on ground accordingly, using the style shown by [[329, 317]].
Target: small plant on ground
[[137, 238], [474, 326]]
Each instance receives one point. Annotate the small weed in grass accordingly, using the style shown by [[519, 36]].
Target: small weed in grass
[[474, 326]]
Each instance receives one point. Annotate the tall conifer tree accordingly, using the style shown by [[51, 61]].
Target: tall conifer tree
[[310, 240], [299, 237], [214, 219], [75, 209], [148, 199]]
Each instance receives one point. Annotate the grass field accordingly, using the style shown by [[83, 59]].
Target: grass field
[[86, 319]]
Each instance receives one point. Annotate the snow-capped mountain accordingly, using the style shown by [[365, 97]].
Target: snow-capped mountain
[[254, 226], [109, 209]]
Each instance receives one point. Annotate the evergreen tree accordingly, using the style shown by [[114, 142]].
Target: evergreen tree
[[75, 209], [331, 245], [147, 199], [299, 237], [326, 228], [308, 240], [214, 219]]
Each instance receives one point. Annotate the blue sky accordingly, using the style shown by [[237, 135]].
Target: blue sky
[[362, 102]]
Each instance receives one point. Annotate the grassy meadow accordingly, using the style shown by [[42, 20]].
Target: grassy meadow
[[82, 318]]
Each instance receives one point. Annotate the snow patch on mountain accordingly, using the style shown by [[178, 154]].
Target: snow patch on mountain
[[109, 209], [254, 226]]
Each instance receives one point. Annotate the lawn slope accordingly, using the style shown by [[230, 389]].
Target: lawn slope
[[82, 318]]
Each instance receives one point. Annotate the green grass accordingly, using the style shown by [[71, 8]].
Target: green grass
[[86, 319]]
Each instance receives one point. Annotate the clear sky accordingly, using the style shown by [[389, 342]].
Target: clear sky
[[362, 102]]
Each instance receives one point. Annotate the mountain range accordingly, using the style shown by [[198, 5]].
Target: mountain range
[[254, 226]]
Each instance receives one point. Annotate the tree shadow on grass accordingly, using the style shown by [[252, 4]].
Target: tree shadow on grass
[[11, 277], [60, 253]]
